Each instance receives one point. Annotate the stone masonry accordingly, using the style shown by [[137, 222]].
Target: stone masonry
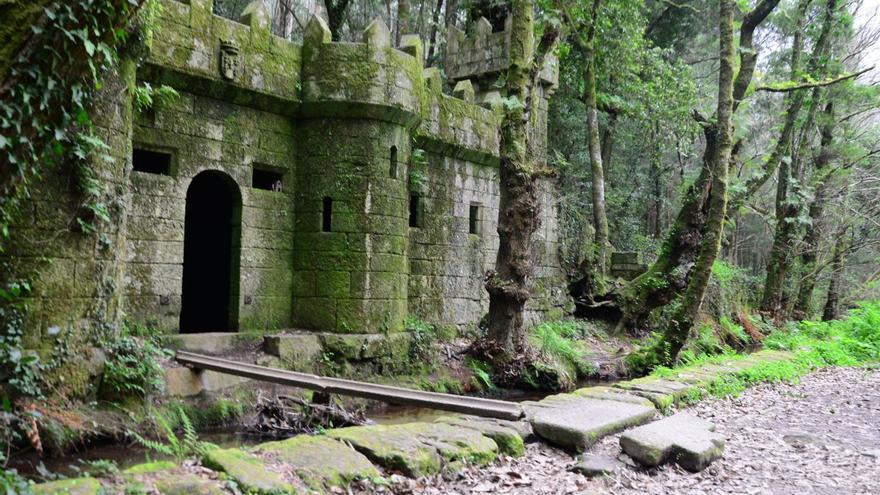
[[354, 190]]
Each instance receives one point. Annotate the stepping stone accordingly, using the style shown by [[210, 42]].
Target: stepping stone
[[187, 484], [319, 461], [592, 465], [609, 393], [663, 393], [507, 434], [681, 438], [575, 423], [75, 486], [249, 471], [419, 449]]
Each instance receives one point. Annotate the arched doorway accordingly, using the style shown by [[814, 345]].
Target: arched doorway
[[211, 246]]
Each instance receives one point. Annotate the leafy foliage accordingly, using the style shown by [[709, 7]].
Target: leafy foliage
[[177, 447], [133, 366]]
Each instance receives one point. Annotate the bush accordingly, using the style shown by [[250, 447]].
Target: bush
[[560, 353]]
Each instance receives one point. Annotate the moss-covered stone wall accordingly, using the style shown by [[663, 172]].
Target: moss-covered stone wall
[[351, 227], [202, 133], [359, 128]]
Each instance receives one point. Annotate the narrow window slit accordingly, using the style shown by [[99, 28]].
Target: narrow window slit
[[392, 168], [474, 219], [327, 214], [415, 219]]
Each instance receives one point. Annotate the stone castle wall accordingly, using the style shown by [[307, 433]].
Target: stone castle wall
[[361, 125]]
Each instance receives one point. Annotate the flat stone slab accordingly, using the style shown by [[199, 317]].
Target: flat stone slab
[[75, 486], [321, 462], [249, 471], [575, 423], [509, 435], [419, 449], [596, 465], [681, 438], [187, 484]]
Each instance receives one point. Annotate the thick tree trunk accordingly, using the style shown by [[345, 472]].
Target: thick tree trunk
[[832, 300], [676, 334], [669, 275], [508, 286], [608, 142]]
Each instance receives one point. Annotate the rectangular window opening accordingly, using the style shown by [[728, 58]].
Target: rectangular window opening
[[474, 219], [268, 180], [327, 214], [151, 162], [415, 219]]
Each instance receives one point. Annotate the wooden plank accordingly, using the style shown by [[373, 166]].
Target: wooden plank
[[386, 393]]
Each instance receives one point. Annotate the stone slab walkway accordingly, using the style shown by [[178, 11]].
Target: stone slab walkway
[[573, 421]]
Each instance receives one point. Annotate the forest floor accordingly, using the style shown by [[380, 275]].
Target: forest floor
[[817, 436]]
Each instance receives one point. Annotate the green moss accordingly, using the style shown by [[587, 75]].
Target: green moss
[[75, 486], [249, 471], [149, 467]]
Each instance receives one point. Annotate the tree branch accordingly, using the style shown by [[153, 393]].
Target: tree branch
[[820, 84]]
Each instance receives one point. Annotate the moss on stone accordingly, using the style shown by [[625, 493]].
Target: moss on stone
[[321, 462], [249, 471], [74, 486], [149, 467]]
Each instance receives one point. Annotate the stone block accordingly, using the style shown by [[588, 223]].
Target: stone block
[[576, 423], [213, 381], [249, 471], [204, 343], [592, 465], [682, 438], [297, 351], [319, 461], [182, 382]]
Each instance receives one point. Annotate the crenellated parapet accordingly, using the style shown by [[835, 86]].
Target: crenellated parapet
[[482, 55]]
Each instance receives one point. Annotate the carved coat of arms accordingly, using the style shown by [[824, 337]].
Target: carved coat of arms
[[229, 62]]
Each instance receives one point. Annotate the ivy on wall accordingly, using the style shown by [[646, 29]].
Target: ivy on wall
[[44, 123]]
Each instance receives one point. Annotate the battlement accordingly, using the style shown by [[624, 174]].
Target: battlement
[[483, 55]]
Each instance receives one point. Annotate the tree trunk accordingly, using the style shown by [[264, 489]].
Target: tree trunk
[[676, 334], [809, 266], [435, 30], [832, 301], [667, 277], [518, 208], [608, 142], [336, 10], [403, 20], [600, 219], [787, 206]]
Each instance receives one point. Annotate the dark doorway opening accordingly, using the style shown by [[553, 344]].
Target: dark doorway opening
[[211, 246]]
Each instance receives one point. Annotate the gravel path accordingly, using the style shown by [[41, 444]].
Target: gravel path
[[820, 436]]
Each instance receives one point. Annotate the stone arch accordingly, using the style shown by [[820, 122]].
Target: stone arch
[[211, 254]]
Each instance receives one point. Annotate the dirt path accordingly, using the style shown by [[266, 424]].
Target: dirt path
[[820, 436]]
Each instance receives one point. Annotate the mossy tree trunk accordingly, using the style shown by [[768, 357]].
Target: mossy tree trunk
[[519, 208], [810, 253], [832, 300], [597, 171], [676, 334], [788, 206], [669, 275]]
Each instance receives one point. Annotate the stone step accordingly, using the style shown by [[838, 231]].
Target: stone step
[[205, 343], [575, 422], [682, 438]]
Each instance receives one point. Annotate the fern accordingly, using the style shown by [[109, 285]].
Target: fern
[[179, 448]]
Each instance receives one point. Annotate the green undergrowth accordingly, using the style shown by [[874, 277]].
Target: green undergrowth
[[853, 341], [561, 355]]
